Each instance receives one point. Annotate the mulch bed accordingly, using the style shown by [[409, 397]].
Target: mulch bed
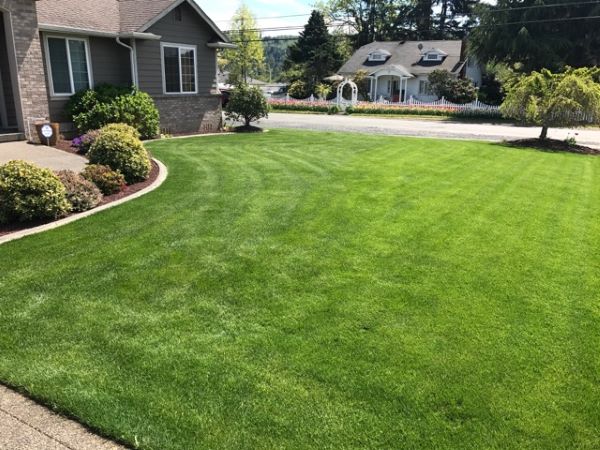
[[553, 145], [65, 146], [126, 192]]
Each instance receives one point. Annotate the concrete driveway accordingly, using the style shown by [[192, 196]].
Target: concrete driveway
[[41, 155], [423, 128]]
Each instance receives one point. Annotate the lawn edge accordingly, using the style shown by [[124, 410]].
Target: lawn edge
[[162, 176]]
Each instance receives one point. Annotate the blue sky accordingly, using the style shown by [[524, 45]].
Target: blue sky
[[222, 10]]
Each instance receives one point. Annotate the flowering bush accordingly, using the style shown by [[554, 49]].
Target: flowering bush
[[84, 142], [81, 193], [108, 181]]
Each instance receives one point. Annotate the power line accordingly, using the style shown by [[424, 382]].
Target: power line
[[270, 17], [550, 5]]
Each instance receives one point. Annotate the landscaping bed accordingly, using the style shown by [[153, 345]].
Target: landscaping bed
[[554, 145], [6, 229], [119, 166]]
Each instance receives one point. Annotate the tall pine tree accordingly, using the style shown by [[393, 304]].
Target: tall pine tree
[[316, 54]]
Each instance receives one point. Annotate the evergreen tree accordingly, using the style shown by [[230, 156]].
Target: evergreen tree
[[248, 59], [531, 35], [315, 55]]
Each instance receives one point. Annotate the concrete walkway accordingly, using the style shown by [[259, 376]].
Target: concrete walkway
[[41, 155], [24, 425], [424, 128]]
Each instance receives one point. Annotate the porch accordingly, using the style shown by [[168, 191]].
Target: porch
[[390, 83]]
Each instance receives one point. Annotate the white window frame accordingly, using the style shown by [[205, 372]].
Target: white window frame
[[179, 47], [432, 56], [376, 57], [88, 60]]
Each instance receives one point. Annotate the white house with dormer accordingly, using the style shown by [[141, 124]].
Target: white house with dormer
[[399, 70]]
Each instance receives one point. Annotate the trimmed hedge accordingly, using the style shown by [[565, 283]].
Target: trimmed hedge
[[119, 148], [81, 193], [94, 108], [28, 192], [107, 180]]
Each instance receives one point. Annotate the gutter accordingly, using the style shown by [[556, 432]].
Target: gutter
[[132, 58], [97, 33], [221, 45]]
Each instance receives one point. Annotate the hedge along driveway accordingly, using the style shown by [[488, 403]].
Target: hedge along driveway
[[303, 290]]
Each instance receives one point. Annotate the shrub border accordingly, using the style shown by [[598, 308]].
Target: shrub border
[[162, 176]]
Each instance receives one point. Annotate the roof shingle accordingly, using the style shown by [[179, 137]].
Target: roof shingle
[[406, 54]]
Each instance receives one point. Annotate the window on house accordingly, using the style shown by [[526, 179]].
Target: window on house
[[68, 60], [377, 57], [424, 88], [179, 69]]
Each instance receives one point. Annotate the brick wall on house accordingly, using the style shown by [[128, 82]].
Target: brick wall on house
[[32, 101], [189, 114]]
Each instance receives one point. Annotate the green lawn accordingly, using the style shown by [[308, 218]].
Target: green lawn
[[310, 290]]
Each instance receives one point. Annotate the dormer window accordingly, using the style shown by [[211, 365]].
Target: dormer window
[[379, 55], [432, 57]]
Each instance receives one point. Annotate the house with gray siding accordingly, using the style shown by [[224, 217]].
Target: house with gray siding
[[50, 49]]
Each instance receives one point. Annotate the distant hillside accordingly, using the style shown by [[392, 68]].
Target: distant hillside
[[275, 54]]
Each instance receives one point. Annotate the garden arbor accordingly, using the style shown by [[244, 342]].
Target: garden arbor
[[340, 92]]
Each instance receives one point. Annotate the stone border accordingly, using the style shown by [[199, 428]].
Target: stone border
[[162, 176]]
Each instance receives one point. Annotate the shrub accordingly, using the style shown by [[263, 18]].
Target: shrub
[[28, 192], [108, 181], [81, 193], [84, 142], [248, 104], [455, 90], [118, 148], [299, 90], [94, 108], [334, 109]]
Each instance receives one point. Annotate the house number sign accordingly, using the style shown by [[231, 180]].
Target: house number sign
[[47, 131]]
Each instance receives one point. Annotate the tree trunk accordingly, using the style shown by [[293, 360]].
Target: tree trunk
[[544, 134], [248, 119]]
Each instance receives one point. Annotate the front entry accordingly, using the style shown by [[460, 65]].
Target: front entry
[[8, 114]]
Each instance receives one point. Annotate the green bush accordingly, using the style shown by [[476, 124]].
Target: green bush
[[453, 89], [28, 192], [332, 110], [81, 193], [248, 104], [107, 180], [94, 108], [280, 106], [298, 90], [118, 148]]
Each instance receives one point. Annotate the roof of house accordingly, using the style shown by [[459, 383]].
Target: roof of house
[[111, 16], [407, 55]]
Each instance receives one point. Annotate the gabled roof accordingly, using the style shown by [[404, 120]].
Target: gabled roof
[[395, 69], [118, 17], [408, 55]]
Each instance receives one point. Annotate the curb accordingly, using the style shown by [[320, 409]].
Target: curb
[[162, 176]]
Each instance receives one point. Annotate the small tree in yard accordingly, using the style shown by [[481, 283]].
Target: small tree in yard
[[554, 99], [456, 90], [247, 104]]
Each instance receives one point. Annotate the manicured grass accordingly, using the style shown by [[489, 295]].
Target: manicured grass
[[311, 290]]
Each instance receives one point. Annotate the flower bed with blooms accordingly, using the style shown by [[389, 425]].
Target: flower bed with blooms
[[387, 109]]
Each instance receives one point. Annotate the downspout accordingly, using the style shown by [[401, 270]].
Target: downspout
[[132, 57]]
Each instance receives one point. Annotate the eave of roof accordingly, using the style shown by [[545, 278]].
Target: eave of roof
[[198, 10], [88, 32]]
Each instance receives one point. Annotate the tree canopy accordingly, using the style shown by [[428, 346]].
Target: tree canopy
[[316, 54], [551, 99], [533, 34], [248, 59]]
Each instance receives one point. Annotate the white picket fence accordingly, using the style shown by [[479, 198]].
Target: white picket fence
[[408, 103]]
